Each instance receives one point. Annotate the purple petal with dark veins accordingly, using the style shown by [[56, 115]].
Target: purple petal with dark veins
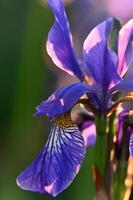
[[123, 86], [57, 164], [125, 47], [63, 99], [59, 44]]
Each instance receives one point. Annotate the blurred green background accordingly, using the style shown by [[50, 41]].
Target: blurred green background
[[25, 80]]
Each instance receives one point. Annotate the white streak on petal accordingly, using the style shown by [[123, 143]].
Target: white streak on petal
[[53, 97], [51, 53], [62, 102], [18, 183], [78, 168], [92, 39], [49, 188]]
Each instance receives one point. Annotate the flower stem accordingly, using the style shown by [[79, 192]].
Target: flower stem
[[100, 148]]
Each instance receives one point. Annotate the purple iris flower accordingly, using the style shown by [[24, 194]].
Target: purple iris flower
[[60, 160]]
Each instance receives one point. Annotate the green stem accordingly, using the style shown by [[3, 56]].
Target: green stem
[[104, 145], [100, 154], [110, 147], [100, 147]]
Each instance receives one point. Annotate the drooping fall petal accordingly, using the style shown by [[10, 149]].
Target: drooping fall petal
[[57, 164], [63, 99]]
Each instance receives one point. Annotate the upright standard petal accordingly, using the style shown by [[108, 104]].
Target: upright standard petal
[[59, 44], [125, 47], [99, 33], [63, 99], [102, 63], [58, 163]]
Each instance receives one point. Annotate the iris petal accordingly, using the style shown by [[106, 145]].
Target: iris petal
[[57, 164], [59, 44], [123, 86], [125, 47], [102, 63], [131, 146], [99, 33], [88, 131], [63, 99]]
